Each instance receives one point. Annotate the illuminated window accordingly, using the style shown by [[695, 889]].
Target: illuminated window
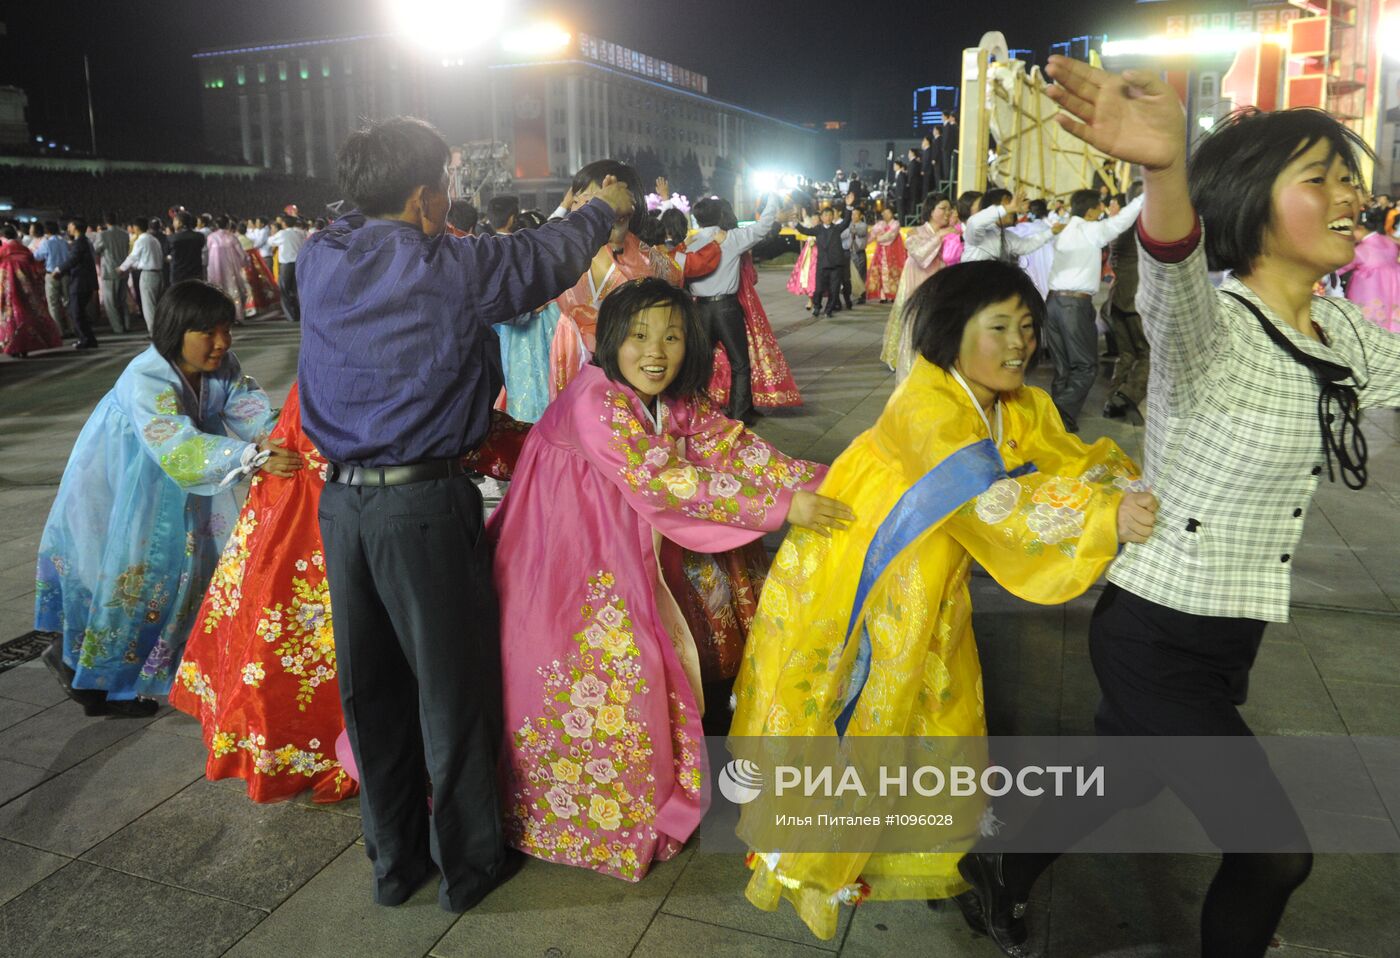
[[326, 67], [262, 72], [242, 76], [305, 70], [282, 70]]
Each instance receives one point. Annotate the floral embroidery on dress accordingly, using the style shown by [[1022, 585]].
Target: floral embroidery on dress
[[999, 501], [1059, 509], [225, 588], [167, 403], [582, 792], [188, 463], [126, 591], [287, 759], [158, 431], [653, 467], [307, 648], [198, 684]]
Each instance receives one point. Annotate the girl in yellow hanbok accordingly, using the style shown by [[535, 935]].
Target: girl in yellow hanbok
[[869, 632]]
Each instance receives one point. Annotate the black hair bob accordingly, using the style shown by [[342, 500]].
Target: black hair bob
[[191, 305], [945, 303], [599, 170], [615, 324], [1233, 170], [381, 165]]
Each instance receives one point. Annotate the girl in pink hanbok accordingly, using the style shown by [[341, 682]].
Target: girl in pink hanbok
[[886, 266], [803, 279], [604, 763], [227, 263], [1375, 273], [935, 244]]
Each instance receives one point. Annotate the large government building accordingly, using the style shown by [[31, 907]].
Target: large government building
[[550, 102]]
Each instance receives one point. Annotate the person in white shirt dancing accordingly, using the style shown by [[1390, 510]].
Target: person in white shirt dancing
[[148, 261], [985, 234], [717, 295], [1069, 310], [288, 241]]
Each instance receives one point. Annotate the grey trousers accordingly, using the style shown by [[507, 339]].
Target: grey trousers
[[114, 301], [56, 292], [1074, 345], [150, 282]]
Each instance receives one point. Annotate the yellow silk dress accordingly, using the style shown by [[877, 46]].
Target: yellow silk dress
[[1045, 532]]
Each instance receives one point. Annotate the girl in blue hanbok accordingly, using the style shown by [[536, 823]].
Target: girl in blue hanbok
[[146, 503]]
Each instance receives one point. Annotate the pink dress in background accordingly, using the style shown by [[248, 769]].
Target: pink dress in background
[[1375, 280], [572, 345], [226, 266], [603, 766]]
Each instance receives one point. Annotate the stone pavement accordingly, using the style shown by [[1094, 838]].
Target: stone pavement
[[112, 843]]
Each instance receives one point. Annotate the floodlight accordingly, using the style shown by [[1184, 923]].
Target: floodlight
[[447, 26]]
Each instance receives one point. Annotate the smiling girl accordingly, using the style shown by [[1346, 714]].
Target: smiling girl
[[869, 632], [1253, 397], [146, 503], [604, 755]]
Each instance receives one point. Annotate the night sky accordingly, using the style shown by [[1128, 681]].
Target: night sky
[[805, 61]]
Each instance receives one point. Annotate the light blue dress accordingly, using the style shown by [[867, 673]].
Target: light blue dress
[[525, 362], [141, 516]]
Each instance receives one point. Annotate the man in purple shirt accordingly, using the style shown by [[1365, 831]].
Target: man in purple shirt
[[398, 369]]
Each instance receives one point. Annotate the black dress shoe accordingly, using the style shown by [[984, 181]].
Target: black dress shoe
[[132, 708], [1113, 409], [1002, 917], [93, 701]]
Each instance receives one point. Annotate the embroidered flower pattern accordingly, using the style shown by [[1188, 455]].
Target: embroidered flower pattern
[[581, 789], [742, 492], [999, 501]]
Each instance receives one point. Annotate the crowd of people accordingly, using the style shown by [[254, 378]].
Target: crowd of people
[[58, 277], [565, 659]]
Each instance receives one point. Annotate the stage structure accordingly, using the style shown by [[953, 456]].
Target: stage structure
[[1003, 101], [479, 170]]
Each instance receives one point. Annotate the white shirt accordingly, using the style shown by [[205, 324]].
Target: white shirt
[[145, 254], [259, 235], [984, 238], [1037, 264], [1078, 265], [725, 279], [288, 242]]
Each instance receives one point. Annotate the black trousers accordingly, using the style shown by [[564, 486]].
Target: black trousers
[[828, 289], [724, 317], [1168, 673], [287, 282], [82, 304], [417, 645]]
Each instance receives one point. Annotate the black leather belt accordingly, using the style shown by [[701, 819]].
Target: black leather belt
[[394, 475], [715, 299]]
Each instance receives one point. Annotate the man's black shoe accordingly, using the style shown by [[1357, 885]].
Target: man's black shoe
[[999, 910]]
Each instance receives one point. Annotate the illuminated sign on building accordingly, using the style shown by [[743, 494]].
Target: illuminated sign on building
[[616, 55], [931, 103]]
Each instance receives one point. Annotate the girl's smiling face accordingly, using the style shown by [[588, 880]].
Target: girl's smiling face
[[998, 342], [1316, 202], [650, 357]]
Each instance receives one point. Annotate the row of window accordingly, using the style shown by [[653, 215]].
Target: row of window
[[303, 67]]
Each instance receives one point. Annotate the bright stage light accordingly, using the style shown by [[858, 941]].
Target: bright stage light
[[538, 40], [1202, 43], [765, 181], [447, 26], [1390, 37]]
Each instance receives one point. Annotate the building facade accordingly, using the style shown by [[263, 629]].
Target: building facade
[[289, 106]]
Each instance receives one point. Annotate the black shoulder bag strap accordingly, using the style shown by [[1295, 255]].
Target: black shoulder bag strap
[[1343, 439]]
